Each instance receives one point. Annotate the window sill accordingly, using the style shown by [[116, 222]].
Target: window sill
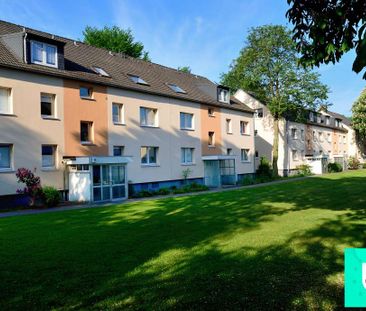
[[211, 146], [187, 129], [88, 98], [49, 169], [245, 162], [119, 123], [150, 165], [7, 114], [188, 164], [229, 133], [50, 118], [211, 115], [244, 134], [149, 126], [87, 143], [7, 170]]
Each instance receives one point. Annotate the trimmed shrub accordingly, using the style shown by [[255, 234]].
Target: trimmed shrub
[[334, 167], [247, 181], [353, 163], [163, 191], [51, 196], [264, 168], [304, 169], [32, 184]]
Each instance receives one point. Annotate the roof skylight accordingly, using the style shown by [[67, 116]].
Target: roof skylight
[[137, 80], [101, 72], [176, 88]]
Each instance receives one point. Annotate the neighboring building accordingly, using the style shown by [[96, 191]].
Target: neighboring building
[[323, 134], [89, 121]]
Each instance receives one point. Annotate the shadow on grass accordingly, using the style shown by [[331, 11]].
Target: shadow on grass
[[204, 252]]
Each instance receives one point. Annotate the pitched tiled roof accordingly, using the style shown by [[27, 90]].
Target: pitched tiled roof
[[80, 58], [344, 119]]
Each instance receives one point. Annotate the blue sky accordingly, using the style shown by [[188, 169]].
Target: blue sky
[[205, 35]]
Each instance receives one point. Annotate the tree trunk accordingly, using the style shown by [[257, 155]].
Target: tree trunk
[[275, 147]]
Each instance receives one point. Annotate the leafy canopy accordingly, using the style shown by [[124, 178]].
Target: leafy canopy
[[359, 115], [325, 30], [116, 40], [268, 67], [185, 69]]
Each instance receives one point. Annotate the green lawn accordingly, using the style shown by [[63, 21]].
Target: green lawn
[[274, 247]]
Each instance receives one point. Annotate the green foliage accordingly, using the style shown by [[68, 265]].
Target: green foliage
[[335, 167], [186, 69], [163, 191], [364, 165], [51, 196], [325, 30], [359, 116], [304, 170], [268, 67], [186, 173], [353, 163], [116, 40], [187, 188], [264, 167], [192, 187]]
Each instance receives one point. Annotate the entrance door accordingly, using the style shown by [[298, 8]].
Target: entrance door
[[212, 173], [109, 182]]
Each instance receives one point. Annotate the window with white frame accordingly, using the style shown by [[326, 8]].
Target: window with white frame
[[211, 139], [229, 151], [319, 118], [302, 135], [149, 155], [223, 95], [186, 121], [294, 133], [48, 105], [5, 101], [86, 132], [259, 113], [117, 113], [43, 54], [344, 139], [295, 155], [329, 138], [229, 126], [244, 155], [86, 92], [49, 156], [148, 117], [118, 151], [320, 134], [311, 116], [211, 112], [314, 136], [327, 120], [187, 155], [244, 128], [5, 157]]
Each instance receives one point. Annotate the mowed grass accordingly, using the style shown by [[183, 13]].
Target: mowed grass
[[269, 248]]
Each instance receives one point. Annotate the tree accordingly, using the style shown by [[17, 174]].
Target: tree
[[116, 40], [267, 66], [185, 69], [359, 116], [325, 30]]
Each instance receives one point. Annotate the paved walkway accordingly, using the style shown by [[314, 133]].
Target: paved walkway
[[97, 205]]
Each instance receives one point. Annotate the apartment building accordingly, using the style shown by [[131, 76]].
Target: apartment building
[[90, 122], [323, 135]]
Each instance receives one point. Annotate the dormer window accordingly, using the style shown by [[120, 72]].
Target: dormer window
[[100, 72], [137, 80], [223, 95], [327, 120], [338, 122], [43, 54], [176, 88], [311, 116]]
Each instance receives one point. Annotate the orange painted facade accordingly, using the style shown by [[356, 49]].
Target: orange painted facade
[[211, 123], [77, 109]]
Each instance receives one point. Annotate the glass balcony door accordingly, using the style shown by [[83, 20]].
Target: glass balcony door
[[109, 182]]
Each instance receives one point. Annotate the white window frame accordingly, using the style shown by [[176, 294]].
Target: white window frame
[[10, 101], [327, 120], [90, 133], [183, 126], [44, 54], [329, 138], [90, 92], [11, 158], [294, 134], [148, 163], [122, 148], [302, 133], [321, 137], [212, 113], [121, 113], [295, 155], [224, 96], [53, 106], [183, 152], [156, 119], [212, 140], [54, 156], [259, 113], [246, 128], [229, 126], [247, 152], [229, 151]]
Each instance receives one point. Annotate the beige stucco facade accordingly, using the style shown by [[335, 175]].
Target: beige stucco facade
[[167, 135], [27, 131]]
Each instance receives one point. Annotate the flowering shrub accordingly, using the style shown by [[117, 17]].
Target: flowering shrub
[[32, 183]]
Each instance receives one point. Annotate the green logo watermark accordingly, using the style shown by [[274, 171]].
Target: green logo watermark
[[355, 277]]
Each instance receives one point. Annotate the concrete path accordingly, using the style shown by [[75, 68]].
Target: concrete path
[[97, 205]]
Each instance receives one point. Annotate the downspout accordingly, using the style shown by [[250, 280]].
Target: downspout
[[25, 46]]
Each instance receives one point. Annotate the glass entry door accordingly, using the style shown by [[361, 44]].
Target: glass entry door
[[109, 182]]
